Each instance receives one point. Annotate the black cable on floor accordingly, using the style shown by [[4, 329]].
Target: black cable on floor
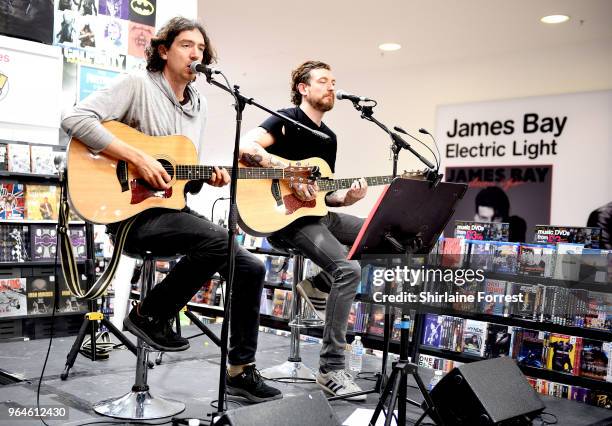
[[291, 380], [42, 373], [55, 302], [370, 376], [215, 403]]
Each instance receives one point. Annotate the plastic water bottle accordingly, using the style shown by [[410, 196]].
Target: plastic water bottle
[[435, 379], [356, 360]]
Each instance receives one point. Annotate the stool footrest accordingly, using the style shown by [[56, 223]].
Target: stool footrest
[[289, 369], [141, 388], [139, 406]]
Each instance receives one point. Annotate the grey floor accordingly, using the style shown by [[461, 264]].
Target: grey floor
[[189, 376]]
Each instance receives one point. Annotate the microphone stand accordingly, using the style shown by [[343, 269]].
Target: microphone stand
[[367, 113], [395, 387], [240, 103]]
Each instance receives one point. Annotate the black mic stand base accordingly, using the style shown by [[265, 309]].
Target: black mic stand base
[[396, 390], [89, 322]]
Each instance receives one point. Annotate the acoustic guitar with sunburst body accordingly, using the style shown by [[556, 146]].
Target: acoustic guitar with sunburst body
[[269, 205], [104, 190]]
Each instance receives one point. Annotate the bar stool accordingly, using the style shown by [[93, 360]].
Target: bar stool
[[294, 368], [139, 404]]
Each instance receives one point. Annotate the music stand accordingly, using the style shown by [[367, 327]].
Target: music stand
[[408, 218]]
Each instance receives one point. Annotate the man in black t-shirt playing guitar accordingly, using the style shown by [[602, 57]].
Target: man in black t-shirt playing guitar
[[322, 239]]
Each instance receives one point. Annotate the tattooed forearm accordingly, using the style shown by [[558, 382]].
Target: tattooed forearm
[[275, 162], [253, 152], [252, 160]]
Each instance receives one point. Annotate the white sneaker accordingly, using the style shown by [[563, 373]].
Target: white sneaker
[[338, 383], [314, 298]]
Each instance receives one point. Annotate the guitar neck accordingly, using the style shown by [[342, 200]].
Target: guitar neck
[[197, 172], [336, 184]]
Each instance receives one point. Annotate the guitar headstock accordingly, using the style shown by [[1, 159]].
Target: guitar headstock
[[431, 175], [414, 174], [306, 174]]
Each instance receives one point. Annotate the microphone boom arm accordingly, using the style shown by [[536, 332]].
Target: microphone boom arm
[[251, 101], [399, 143]]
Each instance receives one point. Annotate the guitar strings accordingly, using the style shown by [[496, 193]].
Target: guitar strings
[[210, 168]]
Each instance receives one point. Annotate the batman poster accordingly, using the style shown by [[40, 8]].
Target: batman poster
[[143, 11]]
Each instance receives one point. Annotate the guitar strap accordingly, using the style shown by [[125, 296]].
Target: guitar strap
[[69, 266]]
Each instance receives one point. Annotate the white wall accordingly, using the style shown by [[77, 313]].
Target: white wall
[[167, 9], [409, 98], [29, 100]]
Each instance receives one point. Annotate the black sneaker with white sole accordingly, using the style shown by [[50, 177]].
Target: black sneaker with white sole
[[250, 385], [156, 332]]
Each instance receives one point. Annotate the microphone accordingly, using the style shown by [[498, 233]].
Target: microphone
[[399, 129], [425, 132], [341, 94], [198, 67]]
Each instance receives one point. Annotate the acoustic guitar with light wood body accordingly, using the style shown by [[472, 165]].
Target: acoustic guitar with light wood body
[[104, 190], [267, 206]]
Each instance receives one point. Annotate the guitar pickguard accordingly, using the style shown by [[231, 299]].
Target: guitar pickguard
[[293, 204], [141, 191]]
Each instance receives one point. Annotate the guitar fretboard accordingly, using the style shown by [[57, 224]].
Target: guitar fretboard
[[194, 172], [335, 184]]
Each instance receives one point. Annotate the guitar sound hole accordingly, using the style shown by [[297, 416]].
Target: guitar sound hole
[[168, 166]]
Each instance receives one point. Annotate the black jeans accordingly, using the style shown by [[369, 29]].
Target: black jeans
[[324, 240], [204, 247]]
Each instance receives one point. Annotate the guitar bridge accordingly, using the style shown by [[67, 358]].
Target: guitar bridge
[[122, 175], [276, 192]]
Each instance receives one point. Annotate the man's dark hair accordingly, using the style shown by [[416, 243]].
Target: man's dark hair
[[166, 35], [302, 75], [496, 198]]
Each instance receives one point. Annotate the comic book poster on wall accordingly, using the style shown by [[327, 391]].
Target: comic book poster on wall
[[27, 19]]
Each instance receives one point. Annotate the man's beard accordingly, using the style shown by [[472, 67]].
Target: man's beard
[[322, 104]]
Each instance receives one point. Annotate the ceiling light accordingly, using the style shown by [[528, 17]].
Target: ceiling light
[[554, 19], [389, 47]]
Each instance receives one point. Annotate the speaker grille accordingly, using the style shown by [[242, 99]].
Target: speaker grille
[[495, 388], [311, 409]]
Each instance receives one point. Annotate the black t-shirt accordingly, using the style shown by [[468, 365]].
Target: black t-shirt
[[295, 144]]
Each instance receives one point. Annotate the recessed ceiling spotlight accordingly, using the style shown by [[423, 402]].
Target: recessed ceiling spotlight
[[389, 47], [554, 19]]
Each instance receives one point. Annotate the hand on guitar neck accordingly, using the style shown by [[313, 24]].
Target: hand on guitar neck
[[357, 191]]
